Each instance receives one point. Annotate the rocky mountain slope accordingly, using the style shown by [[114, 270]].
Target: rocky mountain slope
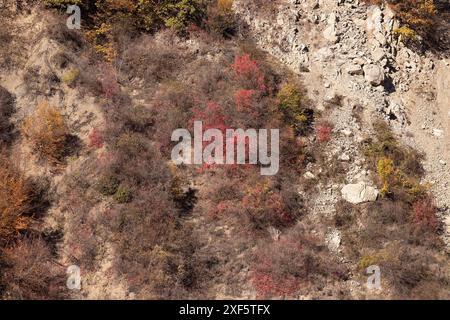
[[364, 177], [342, 48]]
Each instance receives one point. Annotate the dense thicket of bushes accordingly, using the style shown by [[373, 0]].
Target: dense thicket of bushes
[[107, 20], [297, 262], [28, 267], [148, 15], [157, 252]]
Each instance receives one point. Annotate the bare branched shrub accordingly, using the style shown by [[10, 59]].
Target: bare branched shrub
[[151, 61], [292, 264], [424, 214], [415, 273], [15, 201], [220, 18], [30, 271], [11, 42]]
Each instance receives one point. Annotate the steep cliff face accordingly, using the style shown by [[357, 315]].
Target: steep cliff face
[[349, 49]]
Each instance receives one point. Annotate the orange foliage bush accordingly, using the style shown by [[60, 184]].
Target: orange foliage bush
[[15, 200], [47, 131]]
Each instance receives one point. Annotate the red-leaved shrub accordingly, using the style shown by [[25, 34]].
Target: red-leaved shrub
[[323, 131], [95, 139], [248, 72], [424, 214], [108, 82], [212, 117]]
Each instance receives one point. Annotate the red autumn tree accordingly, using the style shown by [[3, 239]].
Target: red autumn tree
[[212, 117], [247, 71]]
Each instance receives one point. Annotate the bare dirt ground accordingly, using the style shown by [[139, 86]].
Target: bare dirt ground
[[429, 113]]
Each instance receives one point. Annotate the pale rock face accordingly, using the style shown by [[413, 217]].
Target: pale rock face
[[374, 19], [378, 54], [389, 20], [438, 133], [344, 158], [359, 193], [330, 33], [360, 61], [355, 69], [309, 175], [374, 74], [396, 111], [333, 240], [347, 132], [375, 24]]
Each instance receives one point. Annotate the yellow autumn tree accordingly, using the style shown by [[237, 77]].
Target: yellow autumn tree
[[416, 13], [417, 16], [386, 171], [46, 130]]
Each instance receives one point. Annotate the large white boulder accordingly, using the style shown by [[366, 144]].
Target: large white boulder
[[374, 74], [359, 193]]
